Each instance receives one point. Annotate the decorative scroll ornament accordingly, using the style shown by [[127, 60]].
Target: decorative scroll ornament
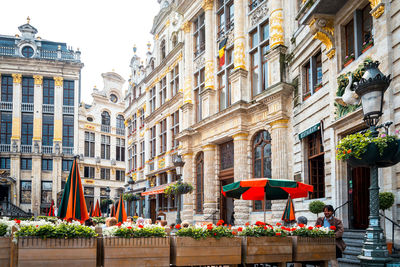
[[186, 26], [378, 8], [58, 81], [17, 78], [323, 30], [38, 79], [208, 4], [239, 58], [209, 75], [276, 28]]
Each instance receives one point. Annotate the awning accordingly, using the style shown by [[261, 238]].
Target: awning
[[310, 130], [156, 190]]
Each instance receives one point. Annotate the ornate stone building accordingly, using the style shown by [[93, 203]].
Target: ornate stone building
[[40, 94], [102, 141]]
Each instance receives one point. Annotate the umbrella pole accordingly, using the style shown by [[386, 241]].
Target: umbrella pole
[[265, 202]]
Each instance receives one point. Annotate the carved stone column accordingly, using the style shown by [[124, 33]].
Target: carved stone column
[[58, 111], [37, 113], [239, 54], [16, 121], [210, 196], [279, 157], [276, 23], [378, 8], [241, 172], [36, 183], [187, 108], [188, 199]]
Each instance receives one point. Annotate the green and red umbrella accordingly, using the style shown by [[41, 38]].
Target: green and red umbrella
[[91, 209], [51, 209], [73, 204], [121, 213], [96, 212], [288, 213], [113, 211]]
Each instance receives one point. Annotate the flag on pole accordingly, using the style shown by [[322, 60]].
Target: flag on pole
[[221, 52]]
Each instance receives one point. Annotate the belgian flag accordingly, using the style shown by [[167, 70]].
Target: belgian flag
[[221, 52]]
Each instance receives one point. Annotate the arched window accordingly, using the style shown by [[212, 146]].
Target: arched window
[[105, 118], [120, 122], [261, 149], [199, 182], [162, 49]]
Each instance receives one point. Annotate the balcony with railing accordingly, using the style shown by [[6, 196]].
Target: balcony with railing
[[68, 150], [105, 128], [27, 107], [5, 147], [6, 106], [26, 148], [47, 149], [47, 108], [43, 54], [120, 131], [68, 110]]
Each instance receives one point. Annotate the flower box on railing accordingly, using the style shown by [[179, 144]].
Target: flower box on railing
[[151, 251], [348, 60], [5, 251], [187, 251], [266, 249], [367, 45], [313, 248]]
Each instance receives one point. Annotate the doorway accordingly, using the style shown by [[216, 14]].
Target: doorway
[[226, 204], [4, 193], [358, 186], [153, 202]]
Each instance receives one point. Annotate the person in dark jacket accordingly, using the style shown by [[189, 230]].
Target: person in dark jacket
[[329, 220]]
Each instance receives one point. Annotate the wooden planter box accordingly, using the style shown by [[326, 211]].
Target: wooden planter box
[[152, 251], [34, 251], [266, 249], [186, 251], [313, 248], [5, 251]]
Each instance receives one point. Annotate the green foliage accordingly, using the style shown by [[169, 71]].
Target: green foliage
[[3, 229], [316, 206], [47, 218], [311, 231], [263, 230], [355, 145], [63, 230], [130, 197], [105, 202], [204, 232], [98, 220], [386, 200], [178, 188], [136, 232]]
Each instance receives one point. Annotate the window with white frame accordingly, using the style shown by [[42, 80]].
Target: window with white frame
[[199, 35], [105, 174], [142, 154], [153, 142], [105, 147], [199, 87], [175, 128], [120, 149], [163, 136], [225, 13], [89, 144], [174, 80], [163, 90], [152, 101]]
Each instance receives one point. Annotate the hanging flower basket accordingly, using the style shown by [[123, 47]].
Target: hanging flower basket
[[179, 188]]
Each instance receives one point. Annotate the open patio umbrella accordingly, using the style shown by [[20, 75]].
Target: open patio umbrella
[[121, 213], [51, 209], [288, 213], [96, 212], [266, 189], [113, 211], [73, 204]]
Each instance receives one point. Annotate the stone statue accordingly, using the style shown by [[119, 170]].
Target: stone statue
[[349, 97]]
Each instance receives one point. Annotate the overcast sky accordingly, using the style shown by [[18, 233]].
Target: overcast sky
[[103, 30]]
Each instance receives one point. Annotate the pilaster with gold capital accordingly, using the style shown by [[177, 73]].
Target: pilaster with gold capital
[[378, 8], [16, 121], [279, 149], [58, 106], [210, 180], [38, 79], [58, 81], [239, 50], [188, 176], [322, 28], [17, 78], [276, 23], [208, 5]]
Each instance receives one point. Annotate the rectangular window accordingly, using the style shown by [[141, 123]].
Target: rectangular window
[[199, 87], [224, 82], [48, 91], [316, 165], [349, 32], [134, 123], [27, 128], [175, 128], [68, 131], [46, 192], [5, 127], [199, 35], [119, 175], [141, 113], [105, 147], [312, 75], [225, 17], [6, 88], [88, 172], [259, 39], [254, 3], [69, 91], [48, 130], [152, 101], [105, 174], [163, 136], [130, 165], [5, 163], [26, 192], [89, 144], [134, 156], [175, 80], [120, 149], [26, 164], [153, 142], [27, 90], [47, 164], [67, 164], [366, 24], [163, 90], [142, 155]]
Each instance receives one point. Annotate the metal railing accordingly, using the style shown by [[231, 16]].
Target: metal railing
[[7, 51], [6, 106], [47, 149], [43, 54], [212, 215], [393, 225], [10, 210], [120, 131], [68, 109], [48, 108], [68, 150], [341, 206], [27, 107], [106, 128], [26, 148], [5, 147]]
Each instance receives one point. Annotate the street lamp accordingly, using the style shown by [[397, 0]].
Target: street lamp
[[178, 163], [371, 90], [108, 190]]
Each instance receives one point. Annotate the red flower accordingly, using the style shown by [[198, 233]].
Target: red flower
[[293, 229], [37, 225], [318, 226], [265, 227], [301, 225], [258, 223], [310, 227], [140, 226], [349, 151], [225, 225], [332, 227], [218, 224], [215, 233], [129, 227], [17, 221], [247, 224], [178, 226], [234, 233], [278, 234], [221, 221], [209, 227], [240, 229], [119, 224], [278, 224]]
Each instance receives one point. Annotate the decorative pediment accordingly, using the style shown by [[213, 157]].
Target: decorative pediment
[[322, 28]]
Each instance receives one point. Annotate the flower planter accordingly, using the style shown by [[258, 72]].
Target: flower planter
[[317, 88], [390, 156], [5, 251], [151, 251], [306, 97], [34, 251], [186, 251], [266, 249], [348, 62], [366, 48], [313, 248]]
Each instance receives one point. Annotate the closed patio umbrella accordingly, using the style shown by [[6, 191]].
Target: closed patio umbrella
[[96, 212], [121, 213]]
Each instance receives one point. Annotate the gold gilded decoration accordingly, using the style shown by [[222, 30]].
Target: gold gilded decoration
[[209, 147], [37, 128], [161, 163], [186, 26], [58, 130], [38, 79], [58, 81], [378, 8], [134, 176], [276, 28], [209, 75], [156, 37], [322, 27], [90, 127], [240, 136], [239, 58], [16, 128], [187, 93], [88, 181], [324, 38], [281, 121], [167, 23], [208, 4], [17, 78]]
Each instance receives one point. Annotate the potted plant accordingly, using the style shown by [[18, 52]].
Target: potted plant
[[348, 59], [205, 245], [104, 203], [306, 95], [317, 87], [5, 240], [179, 188], [316, 207], [367, 45], [263, 243], [363, 150], [386, 201], [44, 243], [136, 245], [313, 243]]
